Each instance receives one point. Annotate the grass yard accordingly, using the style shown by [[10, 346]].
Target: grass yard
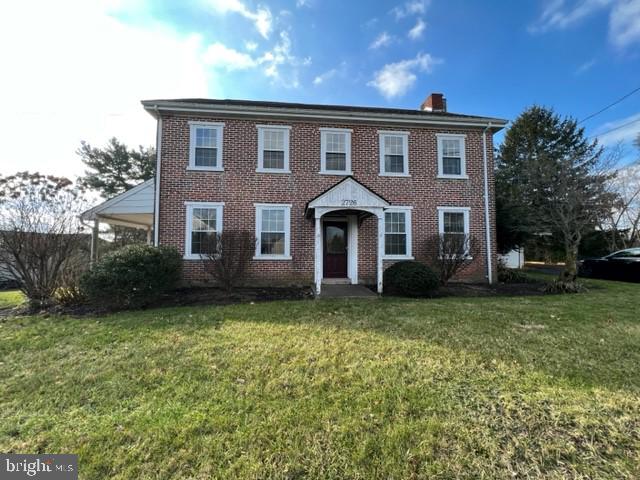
[[10, 298], [495, 388]]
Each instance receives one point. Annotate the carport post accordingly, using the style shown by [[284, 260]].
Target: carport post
[[95, 231]]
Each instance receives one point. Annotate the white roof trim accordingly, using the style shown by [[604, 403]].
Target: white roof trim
[[348, 194], [93, 212]]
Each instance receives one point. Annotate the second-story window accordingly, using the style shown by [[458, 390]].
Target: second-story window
[[273, 149], [451, 156], [394, 153], [336, 151], [205, 146]]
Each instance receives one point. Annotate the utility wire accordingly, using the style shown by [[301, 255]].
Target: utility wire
[[609, 106], [616, 128]]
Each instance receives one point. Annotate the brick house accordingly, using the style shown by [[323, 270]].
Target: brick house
[[333, 193]]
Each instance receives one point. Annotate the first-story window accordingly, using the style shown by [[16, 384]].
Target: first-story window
[[203, 225], [453, 226], [205, 146], [397, 233], [273, 149], [273, 231]]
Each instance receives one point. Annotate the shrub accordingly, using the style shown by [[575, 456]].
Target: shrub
[[411, 279], [512, 275], [133, 276], [561, 286], [451, 253], [229, 257]]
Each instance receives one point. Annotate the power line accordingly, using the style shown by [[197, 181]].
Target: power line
[[609, 106], [616, 128]]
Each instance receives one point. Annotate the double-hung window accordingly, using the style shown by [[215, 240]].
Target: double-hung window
[[273, 149], [397, 233], [394, 153], [203, 225], [453, 226], [451, 156], [273, 231], [335, 150], [205, 146]]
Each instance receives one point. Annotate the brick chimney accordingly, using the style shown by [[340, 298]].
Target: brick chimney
[[434, 103]]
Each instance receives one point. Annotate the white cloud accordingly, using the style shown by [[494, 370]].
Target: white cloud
[[586, 66], [416, 32], [303, 3], [624, 23], [261, 17], [329, 74], [281, 55], [412, 7], [83, 80], [323, 77], [624, 18], [219, 55], [626, 129], [382, 40], [250, 46], [395, 79]]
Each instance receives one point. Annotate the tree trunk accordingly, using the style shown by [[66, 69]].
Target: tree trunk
[[570, 271]]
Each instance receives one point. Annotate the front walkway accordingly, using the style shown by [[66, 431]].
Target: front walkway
[[346, 291]]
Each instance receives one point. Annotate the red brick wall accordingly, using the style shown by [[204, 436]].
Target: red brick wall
[[240, 186]]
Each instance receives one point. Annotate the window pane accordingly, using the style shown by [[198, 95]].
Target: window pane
[[451, 147], [272, 243], [273, 220], [335, 142], [203, 242], [336, 161], [395, 244], [394, 164], [393, 145], [394, 222], [454, 222], [273, 140], [451, 166], [206, 157], [273, 159], [204, 219], [335, 240], [206, 137]]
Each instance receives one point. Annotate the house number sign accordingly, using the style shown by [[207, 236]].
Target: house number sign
[[349, 203]]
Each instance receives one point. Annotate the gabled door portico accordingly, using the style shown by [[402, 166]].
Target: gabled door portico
[[351, 198]]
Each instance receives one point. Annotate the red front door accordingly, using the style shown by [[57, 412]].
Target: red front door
[[335, 250]]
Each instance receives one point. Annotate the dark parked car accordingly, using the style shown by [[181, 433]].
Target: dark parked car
[[623, 265]]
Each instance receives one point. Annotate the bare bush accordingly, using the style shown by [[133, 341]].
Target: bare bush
[[40, 232], [228, 256], [450, 253]]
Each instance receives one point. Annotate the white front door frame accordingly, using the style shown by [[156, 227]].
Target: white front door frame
[[352, 252]]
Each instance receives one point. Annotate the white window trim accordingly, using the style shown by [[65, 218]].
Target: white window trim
[[219, 128], [467, 213], [347, 149], [287, 230], [261, 130], [408, 230], [405, 149], [189, 225], [463, 155]]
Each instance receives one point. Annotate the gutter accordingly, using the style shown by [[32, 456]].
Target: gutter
[[382, 118], [487, 217], [156, 207]]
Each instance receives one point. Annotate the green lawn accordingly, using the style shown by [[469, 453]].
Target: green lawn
[[522, 387], [10, 298]]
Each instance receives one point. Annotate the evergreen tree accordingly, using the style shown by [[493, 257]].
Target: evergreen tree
[[115, 168], [550, 178]]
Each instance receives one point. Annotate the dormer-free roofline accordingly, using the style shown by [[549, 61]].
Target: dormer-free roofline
[[301, 111]]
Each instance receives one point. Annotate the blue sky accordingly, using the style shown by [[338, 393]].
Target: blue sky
[[490, 58]]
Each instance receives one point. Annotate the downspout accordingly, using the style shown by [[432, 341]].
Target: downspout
[[487, 217], [156, 208]]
